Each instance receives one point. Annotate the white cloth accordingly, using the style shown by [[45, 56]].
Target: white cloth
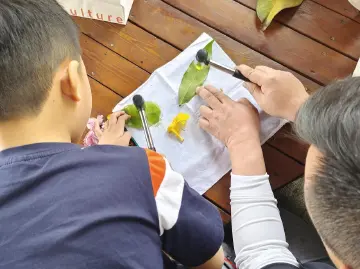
[[258, 232], [201, 158], [357, 70], [355, 3]]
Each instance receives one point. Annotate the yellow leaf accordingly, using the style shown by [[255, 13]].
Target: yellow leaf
[[268, 9], [177, 125]]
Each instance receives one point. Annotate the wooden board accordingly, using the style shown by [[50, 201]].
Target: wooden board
[[149, 52], [110, 69], [226, 218], [287, 143], [103, 99], [322, 24], [280, 43], [342, 7], [180, 30], [131, 42]]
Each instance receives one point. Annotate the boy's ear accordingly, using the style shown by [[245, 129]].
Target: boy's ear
[[70, 81]]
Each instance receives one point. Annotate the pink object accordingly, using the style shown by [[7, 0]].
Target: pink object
[[95, 126]]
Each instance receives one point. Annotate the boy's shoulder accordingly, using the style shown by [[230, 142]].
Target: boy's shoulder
[[137, 159], [115, 160], [111, 166], [108, 152]]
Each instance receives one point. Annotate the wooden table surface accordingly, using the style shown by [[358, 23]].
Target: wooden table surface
[[319, 42]]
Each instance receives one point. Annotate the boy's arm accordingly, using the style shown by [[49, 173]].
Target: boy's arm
[[190, 227]]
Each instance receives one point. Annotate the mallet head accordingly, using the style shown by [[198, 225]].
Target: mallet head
[[202, 58]]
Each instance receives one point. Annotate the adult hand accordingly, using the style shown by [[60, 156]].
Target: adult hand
[[277, 92], [114, 132], [237, 125], [229, 121]]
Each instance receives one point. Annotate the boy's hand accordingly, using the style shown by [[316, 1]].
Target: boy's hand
[[114, 132], [277, 92], [231, 122]]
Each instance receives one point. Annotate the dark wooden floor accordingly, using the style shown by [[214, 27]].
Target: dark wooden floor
[[319, 42]]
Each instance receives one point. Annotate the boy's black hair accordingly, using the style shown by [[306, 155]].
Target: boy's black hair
[[36, 36]]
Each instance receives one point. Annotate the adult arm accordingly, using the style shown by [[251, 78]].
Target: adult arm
[[259, 236], [258, 232]]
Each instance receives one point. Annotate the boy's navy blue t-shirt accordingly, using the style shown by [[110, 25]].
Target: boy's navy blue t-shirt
[[100, 207]]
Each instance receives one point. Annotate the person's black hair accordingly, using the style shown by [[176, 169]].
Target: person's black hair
[[36, 36], [330, 121]]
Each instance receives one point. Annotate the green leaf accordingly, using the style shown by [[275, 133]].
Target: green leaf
[[193, 78], [152, 111], [268, 9]]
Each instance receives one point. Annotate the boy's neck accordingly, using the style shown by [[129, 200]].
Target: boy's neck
[[31, 131]]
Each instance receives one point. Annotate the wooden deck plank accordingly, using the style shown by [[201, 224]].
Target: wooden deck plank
[[226, 218], [280, 43], [341, 6], [220, 192], [321, 24], [103, 99], [110, 69], [131, 42], [180, 30], [288, 143]]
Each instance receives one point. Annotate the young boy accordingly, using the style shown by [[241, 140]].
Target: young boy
[[62, 206]]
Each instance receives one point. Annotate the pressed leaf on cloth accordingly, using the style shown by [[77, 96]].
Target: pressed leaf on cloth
[[152, 111], [268, 9], [193, 78]]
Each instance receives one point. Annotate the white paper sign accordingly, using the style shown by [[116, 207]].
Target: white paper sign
[[115, 11], [201, 158]]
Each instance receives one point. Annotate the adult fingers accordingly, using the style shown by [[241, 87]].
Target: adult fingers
[[205, 112], [254, 90], [204, 124], [208, 97], [244, 101], [247, 103], [264, 68], [219, 94], [254, 75]]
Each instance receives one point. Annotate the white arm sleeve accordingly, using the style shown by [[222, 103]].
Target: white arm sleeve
[[258, 232]]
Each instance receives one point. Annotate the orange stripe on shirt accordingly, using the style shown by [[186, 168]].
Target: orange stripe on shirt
[[157, 166]]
